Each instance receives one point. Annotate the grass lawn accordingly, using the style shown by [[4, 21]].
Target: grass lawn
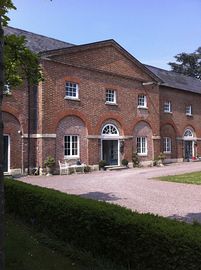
[[188, 178], [27, 249], [25, 252]]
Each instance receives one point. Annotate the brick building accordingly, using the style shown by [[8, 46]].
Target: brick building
[[98, 102]]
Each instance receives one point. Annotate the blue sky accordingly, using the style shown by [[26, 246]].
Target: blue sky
[[151, 30]]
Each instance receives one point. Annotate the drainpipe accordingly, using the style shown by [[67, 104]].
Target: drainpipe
[[29, 127]]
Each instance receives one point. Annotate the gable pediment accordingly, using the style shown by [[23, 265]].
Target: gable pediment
[[106, 57]]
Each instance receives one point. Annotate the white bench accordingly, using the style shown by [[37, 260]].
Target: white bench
[[65, 167]]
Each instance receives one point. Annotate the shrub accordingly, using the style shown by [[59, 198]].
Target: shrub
[[124, 162], [135, 159], [49, 161], [87, 169], [140, 241], [102, 164]]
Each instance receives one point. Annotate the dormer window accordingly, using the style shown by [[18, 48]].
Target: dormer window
[[72, 90], [189, 110], [167, 107], [142, 101]]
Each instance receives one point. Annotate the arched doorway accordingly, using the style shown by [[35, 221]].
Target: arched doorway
[[189, 144], [110, 144]]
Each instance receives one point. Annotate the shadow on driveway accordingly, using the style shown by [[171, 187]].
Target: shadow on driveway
[[190, 217], [100, 196]]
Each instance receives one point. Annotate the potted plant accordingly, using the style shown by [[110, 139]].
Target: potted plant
[[135, 160], [102, 164], [160, 159], [49, 164], [124, 162]]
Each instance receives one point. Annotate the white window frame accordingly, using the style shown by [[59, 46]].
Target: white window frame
[[143, 149], [73, 87], [110, 92], [189, 110], [71, 156], [167, 145], [142, 101], [167, 107]]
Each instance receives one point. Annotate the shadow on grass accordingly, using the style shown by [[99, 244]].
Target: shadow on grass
[[100, 196]]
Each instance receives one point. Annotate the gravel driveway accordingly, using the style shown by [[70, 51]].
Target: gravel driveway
[[134, 188]]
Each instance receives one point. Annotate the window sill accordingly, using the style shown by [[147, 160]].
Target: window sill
[[168, 112], [142, 155], [142, 107], [167, 152], [189, 115], [71, 157], [111, 103], [71, 98]]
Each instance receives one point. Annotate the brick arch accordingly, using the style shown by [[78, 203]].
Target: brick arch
[[171, 123], [11, 128], [72, 125], [13, 111], [66, 113], [143, 129], [168, 130], [106, 118], [138, 120], [191, 127]]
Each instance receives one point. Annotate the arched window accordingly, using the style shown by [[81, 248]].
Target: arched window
[[110, 130], [188, 133]]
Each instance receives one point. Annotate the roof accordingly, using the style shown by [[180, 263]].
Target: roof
[[37, 43], [176, 80]]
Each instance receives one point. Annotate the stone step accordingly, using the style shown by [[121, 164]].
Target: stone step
[[116, 168]]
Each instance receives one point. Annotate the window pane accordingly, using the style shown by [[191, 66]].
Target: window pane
[[71, 89], [71, 145], [142, 100], [110, 96]]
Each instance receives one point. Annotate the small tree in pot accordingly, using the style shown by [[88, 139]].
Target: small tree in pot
[[102, 164], [49, 164]]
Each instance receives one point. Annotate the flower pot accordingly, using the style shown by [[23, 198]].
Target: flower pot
[[49, 170]]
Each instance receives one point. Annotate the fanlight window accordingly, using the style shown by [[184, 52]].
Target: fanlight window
[[110, 130], [188, 133]]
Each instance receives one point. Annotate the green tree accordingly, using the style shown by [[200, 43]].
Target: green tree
[[17, 64], [5, 5], [188, 64]]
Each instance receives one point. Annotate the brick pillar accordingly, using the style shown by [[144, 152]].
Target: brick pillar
[[94, 151]]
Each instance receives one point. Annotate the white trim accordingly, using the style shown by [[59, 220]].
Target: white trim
[[142, 154], [144, 98], [167, 143], [78, 147], [116, 137], [169, 105], [115, 97], [76, 88], [118, 148], [38, 135]]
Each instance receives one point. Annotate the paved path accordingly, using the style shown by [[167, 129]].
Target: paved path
[[134, 188]]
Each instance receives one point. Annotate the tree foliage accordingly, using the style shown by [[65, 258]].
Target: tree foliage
[[21, 64], [5, 6], [188, 64]]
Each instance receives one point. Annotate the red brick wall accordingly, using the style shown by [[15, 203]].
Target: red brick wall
[[72, 125], [11, 127], [178, 120], [142, 129], [105, 58]]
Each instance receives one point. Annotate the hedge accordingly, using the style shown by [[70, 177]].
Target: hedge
[[142, 241]]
